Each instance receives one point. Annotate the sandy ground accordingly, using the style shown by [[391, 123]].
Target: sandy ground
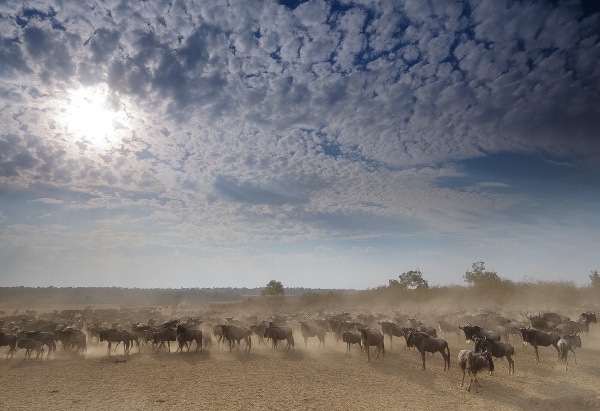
[[305, 379]]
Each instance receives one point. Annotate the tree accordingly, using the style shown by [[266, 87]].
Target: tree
[[410, 280], [595, 279], [478, 275], [273, 288]]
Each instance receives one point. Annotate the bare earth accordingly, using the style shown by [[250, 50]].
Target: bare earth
[[305, 379]]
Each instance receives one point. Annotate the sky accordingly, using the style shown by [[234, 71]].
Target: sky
[[322, 144]]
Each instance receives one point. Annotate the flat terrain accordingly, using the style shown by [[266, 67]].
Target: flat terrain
[[305, 379]]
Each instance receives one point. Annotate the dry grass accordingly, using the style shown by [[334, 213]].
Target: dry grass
[[312, 378]]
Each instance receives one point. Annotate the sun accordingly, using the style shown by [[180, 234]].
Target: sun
[[89, 115]]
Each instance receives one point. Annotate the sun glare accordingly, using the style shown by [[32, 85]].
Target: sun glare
[[87, 115]]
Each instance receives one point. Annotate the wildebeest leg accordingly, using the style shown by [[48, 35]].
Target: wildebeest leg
[[423, 358], [537, 356], [511, 364]]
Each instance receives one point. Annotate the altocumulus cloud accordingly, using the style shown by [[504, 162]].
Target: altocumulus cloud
[[273, 136]]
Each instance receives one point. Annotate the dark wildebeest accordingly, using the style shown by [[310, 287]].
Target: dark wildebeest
[[234, 333], [309, 330], [31, 345], [391, 329], [11, 341], [426, 343], [372, 337], [566, 344], [184, 334], [540, 338], [45, 337], [352, 338], [475, 331], [276, 334], [497, 349], [474, 362], [112, 335], [72, 339], [420, 326], [164, 335], [588, 317]]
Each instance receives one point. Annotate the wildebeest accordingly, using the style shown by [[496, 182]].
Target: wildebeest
[[308, 330], [259, 330], [112, 335], [218, 334], [372, 337], [588, 317], [30, 346], [45, 337], [184, 334], [391, 329], [352, 338], [72, 339], [472, 331], [497, 349], [540, 338], [234, 333], [473, 362], [11, 341], [571, 327], [566, 344], [164, 335], [447, 327], [277, 333], [426, 343]]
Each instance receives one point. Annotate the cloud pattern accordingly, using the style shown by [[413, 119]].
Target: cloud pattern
[[262, 121]]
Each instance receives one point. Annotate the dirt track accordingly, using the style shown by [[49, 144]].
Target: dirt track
[[312, 379]]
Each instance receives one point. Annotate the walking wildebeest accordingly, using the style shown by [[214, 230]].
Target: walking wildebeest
[[234, 333], [31, 345], [497, 349], [164, 335], [45, 337], [426, 343], [352, 338], [474, 362], [276, 333], [566, 344], [112, 335], [540, 338], [11, 341], [372, 337], [184, 334], [72, 339], [259, 330], [309, 330]]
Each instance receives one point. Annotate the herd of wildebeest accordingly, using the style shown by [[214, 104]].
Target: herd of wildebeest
[[493, 335]]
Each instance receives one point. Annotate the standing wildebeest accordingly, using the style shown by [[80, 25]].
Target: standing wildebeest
[[31, 345], [352, 338], [218, 334], [309, 330], [11, 341], [426, 343], [571, 327], [234, 333], [447, 327], [372, 337], [566, 344], [72, 339], [474, 362], [475, 331], [45, 337], [391, 329], [497, 349], [276, 333], [537, 338], [119, 336], [185, 334]]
